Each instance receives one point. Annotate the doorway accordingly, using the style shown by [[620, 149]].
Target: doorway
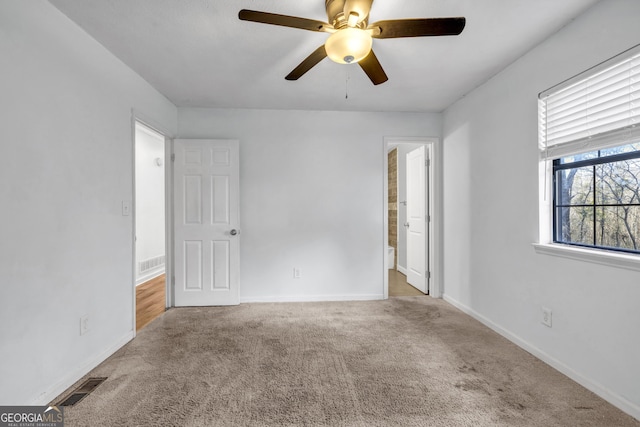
[[150, 224], [411, 264]]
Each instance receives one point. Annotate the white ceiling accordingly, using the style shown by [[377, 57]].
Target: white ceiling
[[199, 54]]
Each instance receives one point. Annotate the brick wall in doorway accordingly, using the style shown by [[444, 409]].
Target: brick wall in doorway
[[393, 202]]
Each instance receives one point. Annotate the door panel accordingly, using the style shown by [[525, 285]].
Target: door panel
[[193, 265], [192, 200], [417, 220], [221, 267], [206, 183]]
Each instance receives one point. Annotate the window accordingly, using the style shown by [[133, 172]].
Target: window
[[590, 152], [597, 199]]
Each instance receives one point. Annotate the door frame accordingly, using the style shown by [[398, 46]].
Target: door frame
[[434, 190], [138, 117]]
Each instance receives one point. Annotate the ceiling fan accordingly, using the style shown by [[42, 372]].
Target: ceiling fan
[[351, 34]]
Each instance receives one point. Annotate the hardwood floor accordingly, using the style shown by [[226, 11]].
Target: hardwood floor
[[150, 301], [398, 286]]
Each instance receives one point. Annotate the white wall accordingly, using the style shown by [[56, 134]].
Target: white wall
[[66, 166], [149, 204], [311, 196], [491, 219]]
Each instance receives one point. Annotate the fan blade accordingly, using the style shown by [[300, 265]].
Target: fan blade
[[372, 67], [284, 20], [397, 28], [318, 55]]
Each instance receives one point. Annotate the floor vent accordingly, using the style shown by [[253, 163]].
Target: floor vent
[[82, 391]]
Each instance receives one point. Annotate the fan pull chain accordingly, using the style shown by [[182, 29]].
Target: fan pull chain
[[346, 86]]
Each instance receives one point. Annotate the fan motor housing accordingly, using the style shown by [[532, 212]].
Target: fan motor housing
[[335, 14]]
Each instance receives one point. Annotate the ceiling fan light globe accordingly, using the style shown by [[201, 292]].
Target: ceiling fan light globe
[[349, 45]]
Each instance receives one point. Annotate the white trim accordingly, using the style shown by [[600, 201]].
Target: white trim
[[545, 243], [385, 219], [151, 123], [151, 275], [435, 206], [146, 123], [169, 226], [132, 217], [437, 270], [401, 269], [597, 388], [593, 256], [312, 298], [149, 131], [61, 386], [139, 117]]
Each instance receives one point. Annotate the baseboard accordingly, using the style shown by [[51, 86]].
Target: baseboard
[[402, 269], [312, 298], [55, 390], [150, 276], [608, 395]]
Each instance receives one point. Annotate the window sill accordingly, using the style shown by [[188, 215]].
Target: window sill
[[620, 260]]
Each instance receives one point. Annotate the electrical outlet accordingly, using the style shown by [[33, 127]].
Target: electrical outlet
[[546, 316], [84, 324], [296, 273]]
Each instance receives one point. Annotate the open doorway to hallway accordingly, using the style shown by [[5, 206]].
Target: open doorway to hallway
[[409, 204], [150, 225]]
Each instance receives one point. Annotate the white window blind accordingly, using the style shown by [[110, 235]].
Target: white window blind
[[595, 109]]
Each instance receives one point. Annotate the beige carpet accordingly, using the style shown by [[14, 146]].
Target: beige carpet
[[407, 361]]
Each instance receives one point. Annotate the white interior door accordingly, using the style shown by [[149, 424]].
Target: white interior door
[[417, 220], [206, 225]]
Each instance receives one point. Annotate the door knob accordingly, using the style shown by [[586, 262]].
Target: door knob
[[233, 232], [406, 224]]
